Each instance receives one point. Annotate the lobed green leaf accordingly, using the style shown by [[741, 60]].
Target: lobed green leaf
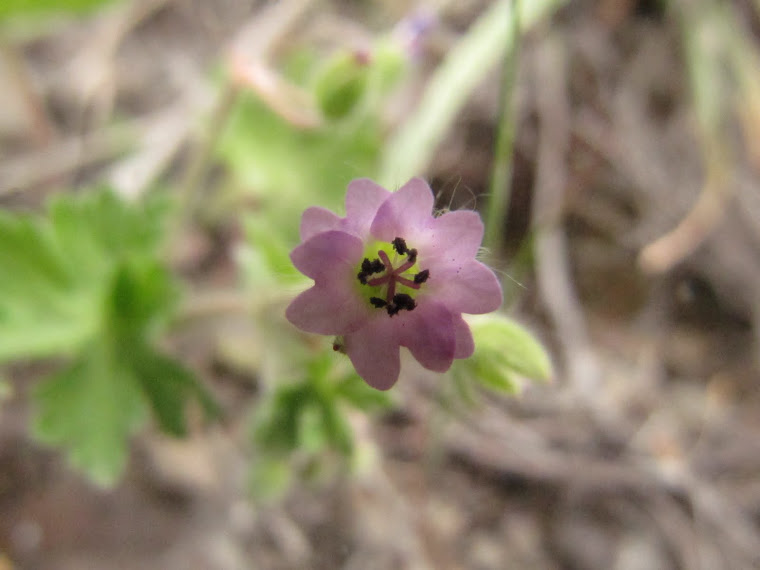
[[90, 408], [86, 282]]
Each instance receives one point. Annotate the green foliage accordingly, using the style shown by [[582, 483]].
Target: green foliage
[[270, 477], [84, 282], [288, 167], [36, 8], [389, 64], [90, 408], [54, 271], [411, 148], [504, 352], [309, 417], [269, 260], [341, 84]]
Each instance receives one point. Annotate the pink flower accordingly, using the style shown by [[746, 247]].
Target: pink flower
[[390, 274]]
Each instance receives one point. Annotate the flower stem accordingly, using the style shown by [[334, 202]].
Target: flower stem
[[497, 205], [201, 155]]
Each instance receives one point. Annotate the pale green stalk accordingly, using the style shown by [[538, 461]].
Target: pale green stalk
[[497, 206], [411, 148]]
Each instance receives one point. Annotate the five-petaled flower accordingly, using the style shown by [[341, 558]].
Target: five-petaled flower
[[390, 274]]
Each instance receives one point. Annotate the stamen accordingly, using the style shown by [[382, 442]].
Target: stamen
[[407, 282], [422, 276], [369, 268], [391, 288], [385, 259], [391, 277], [399, 244], [379, 280], [407, 265], [404, 301]]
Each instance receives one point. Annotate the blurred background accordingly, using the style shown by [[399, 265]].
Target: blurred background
[[613, 148]]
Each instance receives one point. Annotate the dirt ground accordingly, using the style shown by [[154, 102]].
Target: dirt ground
[[644, 451]]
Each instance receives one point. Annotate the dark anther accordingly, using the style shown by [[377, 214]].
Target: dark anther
[[412, 256], [378, 302], [404, 301], [362, 277], [393, 309], [376, 266], [399, 245], [370, 267], [422, 276]]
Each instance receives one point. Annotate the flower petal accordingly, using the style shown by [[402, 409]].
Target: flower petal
[[429, 333], [456, 235], [465, 345], [407, 213], [325, 309], [317, 220], [465, 287], [363, 198], [328, 254], [374, 352]]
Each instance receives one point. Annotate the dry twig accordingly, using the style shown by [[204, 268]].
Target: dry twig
[[552, 270]]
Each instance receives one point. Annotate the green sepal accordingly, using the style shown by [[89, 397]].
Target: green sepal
[[505, 352], [341, 84]]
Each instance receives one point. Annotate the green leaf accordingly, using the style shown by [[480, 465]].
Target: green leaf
[[276, 427], [341, 84], [27, 8], [269, 477], [169, 386], [289, 168], [504, 352], [100, 224], [272, 252], [86, 282], [501, 338], [309, 415], [389, 64], [355, 391], [312, 433], [41, 309], [140, 297], [338, 431], [467, 64], [90, 408], [55, 271]]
